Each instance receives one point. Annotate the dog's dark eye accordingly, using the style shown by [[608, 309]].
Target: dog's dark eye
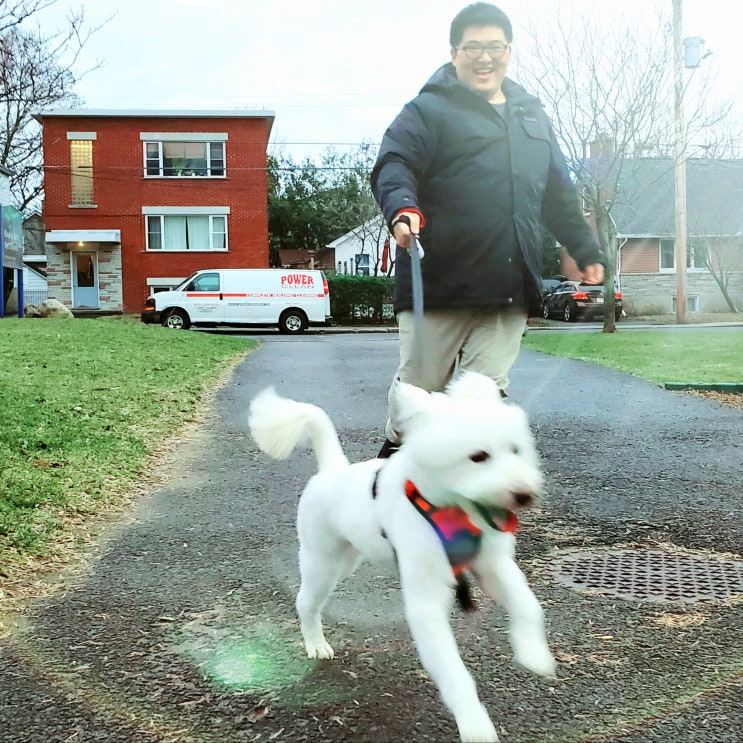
[[480, 456], [515, 449]]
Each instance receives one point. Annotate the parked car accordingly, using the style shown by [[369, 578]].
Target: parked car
[[572, 300], [549, 284]]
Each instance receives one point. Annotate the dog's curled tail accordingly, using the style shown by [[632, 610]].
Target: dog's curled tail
[[278, 425]]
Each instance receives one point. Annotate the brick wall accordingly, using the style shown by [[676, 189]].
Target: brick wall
[[121, 190], [641, 256]]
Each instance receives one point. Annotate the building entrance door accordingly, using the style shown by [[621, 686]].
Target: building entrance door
[[85, 281]]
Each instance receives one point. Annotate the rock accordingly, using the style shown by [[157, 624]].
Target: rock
[[48, 308]]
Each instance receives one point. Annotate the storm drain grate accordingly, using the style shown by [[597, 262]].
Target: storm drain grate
[[652, 575]]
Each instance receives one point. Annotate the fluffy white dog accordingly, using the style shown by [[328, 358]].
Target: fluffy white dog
[[442, 504]]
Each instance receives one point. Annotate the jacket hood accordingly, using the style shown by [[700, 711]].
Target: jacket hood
[[445, 81]]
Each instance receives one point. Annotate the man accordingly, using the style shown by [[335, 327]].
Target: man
[[472, 166]]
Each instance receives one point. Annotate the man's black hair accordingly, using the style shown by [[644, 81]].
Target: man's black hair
[[479, 14]]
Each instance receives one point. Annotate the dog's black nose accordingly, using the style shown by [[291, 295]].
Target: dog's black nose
[[523, 499]]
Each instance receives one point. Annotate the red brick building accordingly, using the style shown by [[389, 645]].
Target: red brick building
[[135, 201]]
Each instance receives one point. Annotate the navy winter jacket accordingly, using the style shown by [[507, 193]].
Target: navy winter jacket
[[484, 185]]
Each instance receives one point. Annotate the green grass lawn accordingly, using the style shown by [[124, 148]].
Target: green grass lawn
[[686, 356], [84, 402]]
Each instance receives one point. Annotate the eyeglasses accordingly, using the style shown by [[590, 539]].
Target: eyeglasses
[[475, 51]]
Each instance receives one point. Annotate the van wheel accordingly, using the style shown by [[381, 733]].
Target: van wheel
[[292, 322], [177, 319]]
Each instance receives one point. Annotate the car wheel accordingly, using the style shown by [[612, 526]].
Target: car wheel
[[292, 322], [568, 313], [545, 312], [177, 320]]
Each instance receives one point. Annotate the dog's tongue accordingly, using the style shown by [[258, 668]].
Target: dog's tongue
[[506, 520]]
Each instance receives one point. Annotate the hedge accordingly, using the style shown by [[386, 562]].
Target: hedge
[[361, 300]]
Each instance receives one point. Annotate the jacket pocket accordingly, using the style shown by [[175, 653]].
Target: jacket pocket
[[534, 127]]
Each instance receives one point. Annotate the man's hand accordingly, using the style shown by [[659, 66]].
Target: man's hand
[[402, 231], [594, 274]]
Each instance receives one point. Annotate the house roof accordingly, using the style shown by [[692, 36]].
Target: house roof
[[153, 114], [358, 233], [294, 258], [645, 204]]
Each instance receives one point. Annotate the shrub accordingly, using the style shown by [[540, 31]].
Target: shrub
[[361, 300]]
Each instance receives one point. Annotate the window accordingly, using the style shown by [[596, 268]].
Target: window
[[184, 159], [362, 264], [186, 231], [206, 282], [81, 169], [692, 304], [695, 256], [667, 255]]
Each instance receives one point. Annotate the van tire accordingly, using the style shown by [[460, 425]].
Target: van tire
[[177, 320], [292, 322]]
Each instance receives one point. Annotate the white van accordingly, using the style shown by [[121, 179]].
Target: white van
[[291, 300]]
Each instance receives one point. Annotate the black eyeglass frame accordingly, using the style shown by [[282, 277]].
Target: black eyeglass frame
[[495, 51]]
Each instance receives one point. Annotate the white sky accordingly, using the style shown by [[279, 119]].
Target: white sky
[[333, 71]]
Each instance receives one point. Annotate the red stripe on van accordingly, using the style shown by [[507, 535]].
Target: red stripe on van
[[202, 294]]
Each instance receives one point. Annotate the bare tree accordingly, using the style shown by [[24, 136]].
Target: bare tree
[[37, 70], [608, 88], [14, 12], [721, 257]]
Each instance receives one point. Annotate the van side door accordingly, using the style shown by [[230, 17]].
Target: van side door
[[203, 298]]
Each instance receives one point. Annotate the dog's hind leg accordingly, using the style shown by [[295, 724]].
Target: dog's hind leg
[[320, 569], [503, 581], [428, 600]]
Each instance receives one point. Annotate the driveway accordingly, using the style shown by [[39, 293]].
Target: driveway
[[183, 628]]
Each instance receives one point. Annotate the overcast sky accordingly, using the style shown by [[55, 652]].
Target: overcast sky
[[333, 71]]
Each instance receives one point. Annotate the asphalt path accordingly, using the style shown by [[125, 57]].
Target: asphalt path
[[183, 627]]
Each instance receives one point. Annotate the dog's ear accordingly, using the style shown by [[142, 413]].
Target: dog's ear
[[470, 384], [410, 403]]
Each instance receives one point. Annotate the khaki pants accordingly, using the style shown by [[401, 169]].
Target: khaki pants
[[484, 341]]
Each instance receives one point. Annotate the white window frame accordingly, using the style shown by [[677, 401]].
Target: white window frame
[[207, 139], [692, 303], [691, 262], [218, 215]]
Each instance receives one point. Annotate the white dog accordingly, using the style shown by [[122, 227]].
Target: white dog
[[443, 503]]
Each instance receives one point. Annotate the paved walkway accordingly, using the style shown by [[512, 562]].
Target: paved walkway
[[184, 628]]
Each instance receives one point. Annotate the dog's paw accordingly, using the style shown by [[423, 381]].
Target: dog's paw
[[538, 660], [319, 649], [477, 728]]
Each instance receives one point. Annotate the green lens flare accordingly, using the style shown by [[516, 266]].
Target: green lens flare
[[259, 659]]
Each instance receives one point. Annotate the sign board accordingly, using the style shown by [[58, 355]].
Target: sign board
[[11, 238]]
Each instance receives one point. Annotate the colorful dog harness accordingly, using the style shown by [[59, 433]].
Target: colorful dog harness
[[460, 538]]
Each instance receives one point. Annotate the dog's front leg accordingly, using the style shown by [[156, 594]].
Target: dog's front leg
[[502, 580], [428, 598]]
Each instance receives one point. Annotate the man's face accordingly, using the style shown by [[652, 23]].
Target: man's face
[[483, 75]]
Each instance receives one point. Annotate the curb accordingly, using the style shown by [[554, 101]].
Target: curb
[[711, 387]]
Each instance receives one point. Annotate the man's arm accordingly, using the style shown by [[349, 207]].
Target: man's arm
[[405, 153], [562, 214]]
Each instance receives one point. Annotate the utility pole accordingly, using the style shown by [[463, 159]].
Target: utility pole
[[680, 164]]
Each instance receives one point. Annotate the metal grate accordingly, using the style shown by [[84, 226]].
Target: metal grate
[[652, 575]]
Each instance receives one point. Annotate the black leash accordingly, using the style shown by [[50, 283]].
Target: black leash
[[416, 253]]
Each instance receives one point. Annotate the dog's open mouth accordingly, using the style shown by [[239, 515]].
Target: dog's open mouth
[[501, 519]]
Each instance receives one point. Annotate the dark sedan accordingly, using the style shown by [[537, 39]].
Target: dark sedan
[[572, 300]]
